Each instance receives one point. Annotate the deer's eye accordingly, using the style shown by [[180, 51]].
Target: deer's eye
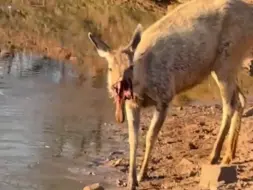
[[109, 69]]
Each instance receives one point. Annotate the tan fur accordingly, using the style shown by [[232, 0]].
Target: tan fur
[[176, 53]]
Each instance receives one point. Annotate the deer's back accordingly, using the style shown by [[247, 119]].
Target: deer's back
[[181, 47]]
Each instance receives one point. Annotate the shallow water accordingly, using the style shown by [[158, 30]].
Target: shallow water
[[53, 131]]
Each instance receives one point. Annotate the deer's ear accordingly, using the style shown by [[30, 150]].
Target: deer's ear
[[136, 38], [102, 48]]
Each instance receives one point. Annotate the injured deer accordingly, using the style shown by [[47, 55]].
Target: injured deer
[[174, 54]]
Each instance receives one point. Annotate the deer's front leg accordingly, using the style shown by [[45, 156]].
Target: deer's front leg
[[133, 118], [154, 128]]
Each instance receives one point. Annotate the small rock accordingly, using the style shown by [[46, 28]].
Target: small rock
[[95, 186], [169, 157], [217, 106], [123, 169], [201, 136], [57, 155], [213, 109], [92, 173], [170, 141], [178, 178], [114, 163], [192, 146], [193, 173], [212, 175], [155, 160], [116, 152], [117, 162], [185, 162], [248, 112], [152, 168], [242, 184], [197, 131], [180, 108], [186, 167], [120, 183], [202, 123], [207, 131]]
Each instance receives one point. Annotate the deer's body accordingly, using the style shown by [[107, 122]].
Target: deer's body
[[184, 46], [176, 53]]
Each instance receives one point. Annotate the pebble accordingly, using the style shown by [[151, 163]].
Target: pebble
[[118, 162], [180, 108], [187, 167], [192, 146], [202, 123], [169, 157], [95, 186], [123, 169], [120, 183], [92, 173], [116, 152]]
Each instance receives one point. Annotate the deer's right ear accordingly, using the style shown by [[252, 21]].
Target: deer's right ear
[[102, 48]]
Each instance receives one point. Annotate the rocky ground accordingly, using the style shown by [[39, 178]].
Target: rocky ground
[[183, 145]]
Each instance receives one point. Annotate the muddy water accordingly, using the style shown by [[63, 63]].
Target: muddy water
[[54, 131]]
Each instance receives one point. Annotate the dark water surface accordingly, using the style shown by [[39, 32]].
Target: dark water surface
[[54, 132]]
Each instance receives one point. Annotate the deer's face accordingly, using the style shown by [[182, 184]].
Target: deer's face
[[118, 62]]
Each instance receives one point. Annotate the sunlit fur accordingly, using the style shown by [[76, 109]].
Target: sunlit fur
[[118, 61]]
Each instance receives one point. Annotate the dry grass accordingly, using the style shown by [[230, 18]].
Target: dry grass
[[47, 26]]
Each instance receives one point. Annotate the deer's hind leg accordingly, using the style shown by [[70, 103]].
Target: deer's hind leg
[[239, 104], [227, 87], [233, 103]]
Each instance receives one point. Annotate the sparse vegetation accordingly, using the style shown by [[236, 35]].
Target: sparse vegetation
[[46, 26]]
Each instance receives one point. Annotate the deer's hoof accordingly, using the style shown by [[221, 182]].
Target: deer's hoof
[[132, 184], [227, 159], [213, 159], [141, 177]]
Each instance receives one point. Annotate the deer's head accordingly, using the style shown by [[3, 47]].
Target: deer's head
[[118, 62]]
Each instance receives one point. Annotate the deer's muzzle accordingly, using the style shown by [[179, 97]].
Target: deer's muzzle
[[123, 90]]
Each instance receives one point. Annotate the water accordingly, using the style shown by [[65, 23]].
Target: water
[[52, 129]]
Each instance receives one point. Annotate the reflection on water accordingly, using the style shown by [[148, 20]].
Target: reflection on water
[[51, 129], [24, 65]]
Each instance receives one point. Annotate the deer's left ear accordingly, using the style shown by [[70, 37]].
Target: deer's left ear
[[136, 38], [102, 48]]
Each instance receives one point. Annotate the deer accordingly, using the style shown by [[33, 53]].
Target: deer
[[174, 54]]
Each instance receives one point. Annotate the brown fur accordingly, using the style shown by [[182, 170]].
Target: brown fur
[[176, 53]]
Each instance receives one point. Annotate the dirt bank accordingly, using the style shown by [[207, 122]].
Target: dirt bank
[[187, 137], [47, 26]]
